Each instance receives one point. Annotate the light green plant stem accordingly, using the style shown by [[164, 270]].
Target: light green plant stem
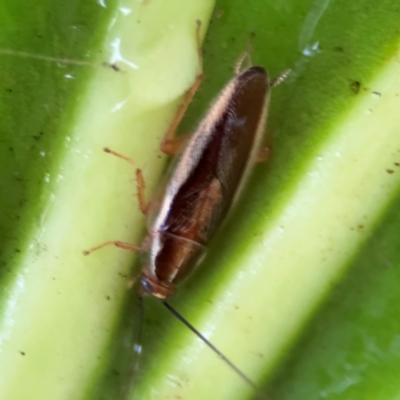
[[66, 327], [59, 307]]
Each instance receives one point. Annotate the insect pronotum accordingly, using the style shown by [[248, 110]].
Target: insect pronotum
[[213, 167]]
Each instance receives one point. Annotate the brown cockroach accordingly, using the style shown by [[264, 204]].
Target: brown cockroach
[[213, 167]]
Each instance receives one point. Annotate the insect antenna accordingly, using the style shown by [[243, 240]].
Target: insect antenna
[[216, 351], [131, 372], [59, 60], [138, 343]]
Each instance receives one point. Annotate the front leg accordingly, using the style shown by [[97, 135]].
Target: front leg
[[117, 243], [171, 144]]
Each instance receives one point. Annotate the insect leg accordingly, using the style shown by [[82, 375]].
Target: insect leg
[[239, 63], [140, 184], [116, 243], [263, 154], [279, 79], [265, 151], [170, 144]]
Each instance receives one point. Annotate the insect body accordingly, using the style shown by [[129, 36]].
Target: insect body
[[210, 174], [207, 179]]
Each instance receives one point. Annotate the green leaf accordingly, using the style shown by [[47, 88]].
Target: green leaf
[[322, 211]]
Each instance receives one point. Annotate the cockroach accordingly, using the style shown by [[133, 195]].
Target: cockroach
[[213, 167]]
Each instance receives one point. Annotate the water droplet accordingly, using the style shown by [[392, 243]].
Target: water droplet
[[125, 10], [117, 56], [118, 106], [137, 348], [311, 50]]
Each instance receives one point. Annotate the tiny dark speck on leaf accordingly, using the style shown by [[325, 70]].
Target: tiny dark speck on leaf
[[355, 87], [389, 171], [397, 164], [377, 94], [108, 297], [218, 14], [339, 49], [22, 353]]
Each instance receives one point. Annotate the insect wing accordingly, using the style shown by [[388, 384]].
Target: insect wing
[[218, 158]]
